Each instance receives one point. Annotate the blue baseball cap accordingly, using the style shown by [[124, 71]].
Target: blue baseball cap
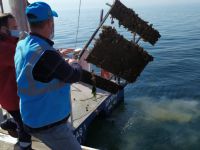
[[39, 11]]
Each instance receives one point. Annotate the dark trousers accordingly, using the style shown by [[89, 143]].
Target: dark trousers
[[22, 135]]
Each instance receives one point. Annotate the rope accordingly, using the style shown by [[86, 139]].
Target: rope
[[89, 111], [79, 14]]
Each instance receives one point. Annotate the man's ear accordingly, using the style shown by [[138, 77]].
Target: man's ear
[[48, 24]]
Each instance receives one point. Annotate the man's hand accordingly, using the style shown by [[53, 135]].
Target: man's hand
[[22, 35], [66, 51], [70, 61]]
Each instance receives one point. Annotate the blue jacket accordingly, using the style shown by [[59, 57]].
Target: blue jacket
[[41, 103]]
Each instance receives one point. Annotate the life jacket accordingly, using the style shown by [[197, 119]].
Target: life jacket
[[41, 103], [105, 74]]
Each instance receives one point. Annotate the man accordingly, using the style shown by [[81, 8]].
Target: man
[[43, 79], [9, 99]]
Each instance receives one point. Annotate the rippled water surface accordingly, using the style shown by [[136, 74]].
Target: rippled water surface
[[162, 109]]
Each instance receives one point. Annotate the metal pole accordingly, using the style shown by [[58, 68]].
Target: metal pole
[[1, 3], [96, 31], [101, 16], [71, 115]]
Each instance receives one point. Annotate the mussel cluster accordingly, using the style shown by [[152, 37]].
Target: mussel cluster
[[117, 55], [129, 19]]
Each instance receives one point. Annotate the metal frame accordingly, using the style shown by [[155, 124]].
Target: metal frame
[[96, 31]]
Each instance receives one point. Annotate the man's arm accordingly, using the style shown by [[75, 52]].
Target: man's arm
[[52, 66]]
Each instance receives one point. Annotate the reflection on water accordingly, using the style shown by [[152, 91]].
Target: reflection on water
[[181, 111], [163, 124], [149, 124]]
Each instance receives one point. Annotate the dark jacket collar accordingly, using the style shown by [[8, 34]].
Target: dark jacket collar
[[51, 43]]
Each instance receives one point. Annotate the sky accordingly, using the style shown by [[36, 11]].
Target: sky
[[101, 3], [73, 4]]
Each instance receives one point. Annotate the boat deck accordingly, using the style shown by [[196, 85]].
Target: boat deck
[[84, 103]]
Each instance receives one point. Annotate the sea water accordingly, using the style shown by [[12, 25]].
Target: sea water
[[162, 108]]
